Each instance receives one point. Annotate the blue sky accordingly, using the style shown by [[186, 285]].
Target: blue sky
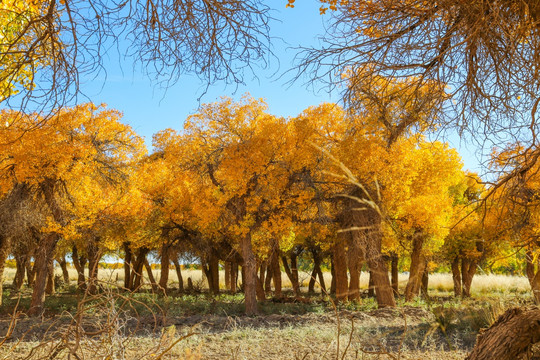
[[149, 108]]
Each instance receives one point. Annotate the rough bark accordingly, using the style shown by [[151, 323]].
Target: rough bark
[[234, 277], [151, 277], [292, 272], [164, 271], [44, 256], [456, 276], [333, 274], [276, 273], [79, 262], [213, 271], [468, 269], [227, 270], [178, 269], [533, 275], [354, 262], [4, 251], [340, 269], [65, 273], [30, 273], [261, 295], [510, 337], [371, 286], [425, 282], [94, 255], [21, 263], [249, 275], [268, 278], [49, 288], [417, 265], [128, 258], [394, 260], [136, 278]]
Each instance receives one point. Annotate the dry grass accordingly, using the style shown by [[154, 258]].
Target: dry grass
[[482, 284]]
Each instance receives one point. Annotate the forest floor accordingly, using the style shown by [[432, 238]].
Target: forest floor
[[121, 325]]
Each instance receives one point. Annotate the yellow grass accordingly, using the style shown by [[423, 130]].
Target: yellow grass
[[439, 282]]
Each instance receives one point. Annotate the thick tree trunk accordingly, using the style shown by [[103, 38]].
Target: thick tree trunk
[[49, 288], [395, 274], [178, 269], [234, 277], [213, 272], [333, 275], [276, 274], [261, 295], [128, 258], [79, 262], [456, 276], [417, 265], [227, 270], [510, 337], [425, 281], [65, 273], [136, 277], [371, 286], [268, 278], [292, 273], [44, 256], [249, 275], [533, 275], [4, 252], [468, 269], [340, 270], [151, 277], [164, 271], [94, 255], [21, 263], [30, 273], [354, 261]]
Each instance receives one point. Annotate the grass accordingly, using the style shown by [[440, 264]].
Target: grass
[[442, 327]]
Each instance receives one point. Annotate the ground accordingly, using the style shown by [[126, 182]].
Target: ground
[[120, 325]]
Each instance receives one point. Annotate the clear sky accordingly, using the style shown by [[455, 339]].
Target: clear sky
[[149, 108]]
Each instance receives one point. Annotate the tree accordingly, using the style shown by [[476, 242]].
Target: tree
[[48, 46]]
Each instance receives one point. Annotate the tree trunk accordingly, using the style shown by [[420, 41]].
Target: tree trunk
[[292, 272], [268, 278], [227, 270], [249, 275], [44, 256], [128, 258], [456, 276], [49, 288], [30, 273], [276, 273], [234, 277], [425, 281], [340, 270], [354, 261], [79, 262], [164, 271], [417, 265], [178, 269], [65, 273], [4, 252], [510, 337], [371, 286], [136, 278], [21, 263], [333, 275], [213, 272], [94, 255], [468, 269], [395, 274], [261, 295], [151, 277]]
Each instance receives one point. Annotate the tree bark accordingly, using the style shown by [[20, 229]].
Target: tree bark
[[65, 273], [30, 273], [354, 262], [292, 272], [340, 269], [234, 277], [213, 271], [395, 274], [249, 275], [371, 286], [178, 269], [164, 271], [510, 337], [94, 255], [44, 256], [21, 263], [268, 278], [417, 265], [456, 276], [136, 278], [4, 251], [151, 277], [425, 281], [79, 262], [128, 258], [276, 272], [261, 295], [227, 270], [49, 288]]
